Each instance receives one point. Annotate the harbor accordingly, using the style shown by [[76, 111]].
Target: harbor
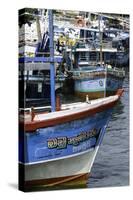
[[73, 77]]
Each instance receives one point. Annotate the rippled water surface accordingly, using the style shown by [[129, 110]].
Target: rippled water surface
[[111, 166]]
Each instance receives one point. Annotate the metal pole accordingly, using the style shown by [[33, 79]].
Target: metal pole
[[38, 30], [101, 55], [105, 87], [85, 31], [52, 69], [71, 59], [100, 36]]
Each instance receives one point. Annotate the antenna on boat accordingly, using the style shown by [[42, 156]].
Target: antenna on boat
[[52, 70]]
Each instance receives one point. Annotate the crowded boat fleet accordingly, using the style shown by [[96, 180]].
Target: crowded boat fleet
[[62, 54]]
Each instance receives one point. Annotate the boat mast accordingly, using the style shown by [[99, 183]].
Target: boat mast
[[100, 37], [52, 70], [101, 56], [39, 35], [38, 30]]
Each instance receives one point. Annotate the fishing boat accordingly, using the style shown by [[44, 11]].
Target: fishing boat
[[97, 81], [91, 70], [57, 147], [61, 146]]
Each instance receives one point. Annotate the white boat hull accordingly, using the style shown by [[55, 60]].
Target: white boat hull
[[61, 168]]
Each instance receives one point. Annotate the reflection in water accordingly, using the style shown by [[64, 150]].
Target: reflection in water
[[118, 110]]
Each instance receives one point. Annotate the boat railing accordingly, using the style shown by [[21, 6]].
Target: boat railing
[[27, 43], [117, 72], [79, 74], [84, 74], [36, 109], [88, 58], [59, 77], [63, 18], [91, 43], [37, 77]]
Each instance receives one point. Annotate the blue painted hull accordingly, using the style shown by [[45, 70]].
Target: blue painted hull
[[60, 147], [96, 87], [64, 140]]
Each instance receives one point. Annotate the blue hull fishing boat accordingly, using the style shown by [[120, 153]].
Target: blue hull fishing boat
[[97, 82], [90, 68], [58, 148]]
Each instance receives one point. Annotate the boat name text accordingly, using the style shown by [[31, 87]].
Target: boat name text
[[62, 142]]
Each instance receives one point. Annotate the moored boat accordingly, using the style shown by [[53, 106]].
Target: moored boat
[[90, 66], [97, 82], [60, 146], [93, 77]]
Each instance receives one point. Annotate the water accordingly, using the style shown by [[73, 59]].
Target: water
[[111, 166]]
